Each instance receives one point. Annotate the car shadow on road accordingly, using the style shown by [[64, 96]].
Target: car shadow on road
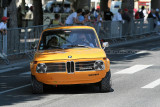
[[25, 96], [16, 97], [74, 89]]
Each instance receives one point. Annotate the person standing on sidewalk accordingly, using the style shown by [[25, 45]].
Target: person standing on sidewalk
[[99, 24], [81, 17], [73, 18], [3, 25], [56, 21], [126, 26], [117, 22], [107, 17], [118, 16], [3, 31], [152, 16], [141, 13], [137, 15], [157, 14]]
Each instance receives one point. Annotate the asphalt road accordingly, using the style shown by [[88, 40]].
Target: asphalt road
[[135, 78]]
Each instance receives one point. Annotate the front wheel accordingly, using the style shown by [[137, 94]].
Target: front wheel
[[37, 87], [105, 84]]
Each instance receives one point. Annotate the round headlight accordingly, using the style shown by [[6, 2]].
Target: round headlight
[[99, 65], [41, 68]]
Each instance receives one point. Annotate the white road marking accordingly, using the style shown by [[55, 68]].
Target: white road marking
[[141, 52], [9, 69], [2, 92], [26, 73], [133, 69], [153, 84], [154, 48]]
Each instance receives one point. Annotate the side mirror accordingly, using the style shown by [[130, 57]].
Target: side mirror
[[33, 46], [105, 45]]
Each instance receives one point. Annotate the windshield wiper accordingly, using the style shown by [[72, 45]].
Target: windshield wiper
[[54, 47], [79, 46]]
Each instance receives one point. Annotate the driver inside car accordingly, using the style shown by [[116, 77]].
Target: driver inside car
[[82, 40], [53, 42]]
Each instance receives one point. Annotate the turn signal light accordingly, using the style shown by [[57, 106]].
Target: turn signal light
[[35, 62], [104, 58]]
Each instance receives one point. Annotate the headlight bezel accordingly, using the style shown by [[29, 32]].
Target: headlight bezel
[[99, 65], [41, 68]]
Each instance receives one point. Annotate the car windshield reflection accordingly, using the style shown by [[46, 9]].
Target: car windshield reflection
[[65, 39]]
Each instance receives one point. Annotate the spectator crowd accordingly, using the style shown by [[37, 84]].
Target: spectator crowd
[[95, 16]]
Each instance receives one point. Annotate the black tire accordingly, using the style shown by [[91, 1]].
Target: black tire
[[105, 84], [37, 87]]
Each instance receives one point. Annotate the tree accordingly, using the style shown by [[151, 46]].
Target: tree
[[80, 4], [37, 12], [13, 35], [12, 11], [83, 3], [129, 4], [1, 12], [103, 5], [63, 3], [155, 4]]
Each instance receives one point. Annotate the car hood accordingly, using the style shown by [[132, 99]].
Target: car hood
[[68, 54]]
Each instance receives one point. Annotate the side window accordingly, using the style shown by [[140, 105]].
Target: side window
[[49, 37]]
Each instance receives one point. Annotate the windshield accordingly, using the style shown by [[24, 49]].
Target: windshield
[[64, 39]]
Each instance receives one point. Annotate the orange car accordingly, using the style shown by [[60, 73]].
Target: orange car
[[70, 55]]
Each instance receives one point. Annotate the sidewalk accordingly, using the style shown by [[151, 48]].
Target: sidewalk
[[24, 59], [15, 61], [144, 38]]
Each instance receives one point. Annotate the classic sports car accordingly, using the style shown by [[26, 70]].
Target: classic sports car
[[70, 55]]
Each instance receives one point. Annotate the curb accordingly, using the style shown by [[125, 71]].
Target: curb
[[135, 41], [14, 65]]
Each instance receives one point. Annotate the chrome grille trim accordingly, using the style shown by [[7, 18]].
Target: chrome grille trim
[[56, 67], [85, 66]]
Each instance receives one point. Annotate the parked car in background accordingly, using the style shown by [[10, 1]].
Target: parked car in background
[[49, 4]]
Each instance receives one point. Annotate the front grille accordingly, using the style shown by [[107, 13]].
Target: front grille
[[70, 67], [85, 66], [56, 67]]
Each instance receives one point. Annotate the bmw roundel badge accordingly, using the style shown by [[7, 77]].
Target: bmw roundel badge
[[69, 56]]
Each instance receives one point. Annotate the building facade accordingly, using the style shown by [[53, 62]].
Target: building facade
[[95, 4], [145, 3], [137, 5]]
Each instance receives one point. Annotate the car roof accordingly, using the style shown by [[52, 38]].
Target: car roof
[[69, 27]]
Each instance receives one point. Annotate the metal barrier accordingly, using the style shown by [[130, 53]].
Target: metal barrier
[[118, 30], [140, 27], [21, 40], [3, 48]]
